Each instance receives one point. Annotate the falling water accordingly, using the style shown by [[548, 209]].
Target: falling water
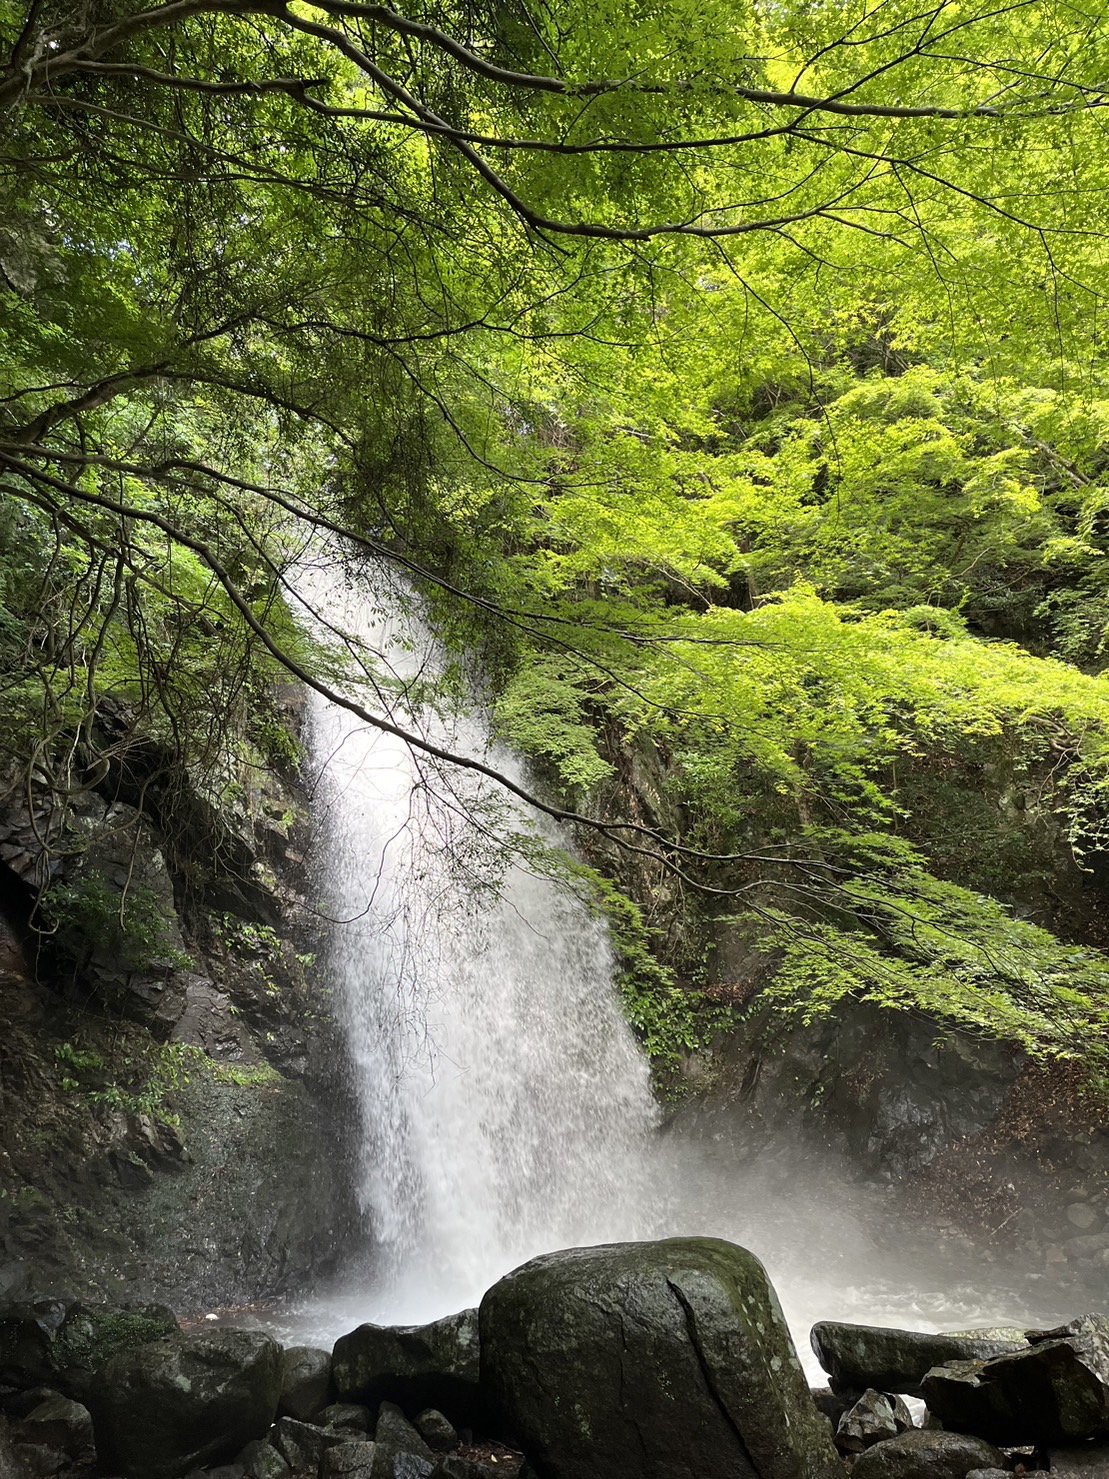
[[505, 1106]]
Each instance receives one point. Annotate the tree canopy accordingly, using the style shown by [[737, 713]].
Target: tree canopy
[[728, 378]]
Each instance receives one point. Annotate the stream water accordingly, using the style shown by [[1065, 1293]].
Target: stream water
[[505, 1107]]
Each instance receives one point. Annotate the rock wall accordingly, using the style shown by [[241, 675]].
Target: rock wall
[[171, 1082]]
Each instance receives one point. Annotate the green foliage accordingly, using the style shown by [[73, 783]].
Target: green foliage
[[92, 918]]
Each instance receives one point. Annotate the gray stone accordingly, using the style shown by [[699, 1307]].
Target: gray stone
[[91, 1334], [348, 1460], [302, 1445], [434, 1365], [989, 1474], [400, 1465], [454, 1467], [860, 1356], [395, 1434], [59, 1422], [305, 1382], [833, 1404], [186, 1401], [924, 1455], [667, 1360], [260, 1460], [345, 1416], [436, 1431], [867, 1422], [1088, 1461], [1082, 1216], [1054, 1392]]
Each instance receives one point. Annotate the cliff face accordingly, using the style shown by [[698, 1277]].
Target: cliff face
[[171, 1083]]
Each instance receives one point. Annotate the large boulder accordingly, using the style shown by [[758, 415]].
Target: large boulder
[[65, 1342], [306, 1382], [417, 1366], [666, 1360], [926, 1455], [1054, 1391], [860, 1356], [185, 1402]]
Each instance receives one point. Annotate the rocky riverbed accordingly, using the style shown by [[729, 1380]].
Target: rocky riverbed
[[665, 1360]]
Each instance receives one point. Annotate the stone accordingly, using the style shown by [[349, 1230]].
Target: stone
[[345, 1416], [348, 1460], [185, 1401], [436, 1431], [260, 1460], [1054, 1392], [989, 1474], [833, 1404], [395, 1434], [454, 1467], [59, 1422], [867, 1422], [302, 1445], [1082, 1216], [860, 1356], [434, 1365], [666, 1360], [305, 1382], [400, 1465], [91, 1334], [27, 1334], [924, 1455], [1088, 1461]]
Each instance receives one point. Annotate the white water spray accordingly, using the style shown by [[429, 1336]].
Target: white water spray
[[506, 1109]]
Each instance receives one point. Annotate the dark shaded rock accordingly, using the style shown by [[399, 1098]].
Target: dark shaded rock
[[349, 1460], [867, 1422], [260, 1460], [91, 1334], [395, 1434], [455, 1467], [225, 1471], [1086, 1461], [302, 1445], [434, 1365], [436, 1431], [1054, 1392], [833, 1404], [989, 1474], [34, 1461], [400, 1466], [305, 1382], [921, 1455], [185, 1401], [860, 1356], [666, 1360], [901, 1414], [27, 1334], [20, 1403], [346, 1417], [59, 1423]]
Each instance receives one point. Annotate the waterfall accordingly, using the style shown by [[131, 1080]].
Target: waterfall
[[505, 1107]]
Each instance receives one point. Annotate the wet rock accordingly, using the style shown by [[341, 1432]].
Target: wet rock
[[860, 1356], [91, 1334], [1082, 1216], [395, 1434], [59, 1423], [260, 1460], [1054, 1392], [454, 1467], [867, 1422], [345, 1417], [833, 1404], [185, 1401], [27, 1334], [434, 1365], [667, 1360], [348, 1460], [305, 1382], [301, 1445], [924, 1455], [436, 1431], [989, 1474], [1086, 1461]]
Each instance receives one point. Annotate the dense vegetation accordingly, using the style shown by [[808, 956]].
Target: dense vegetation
[[729, 380]]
